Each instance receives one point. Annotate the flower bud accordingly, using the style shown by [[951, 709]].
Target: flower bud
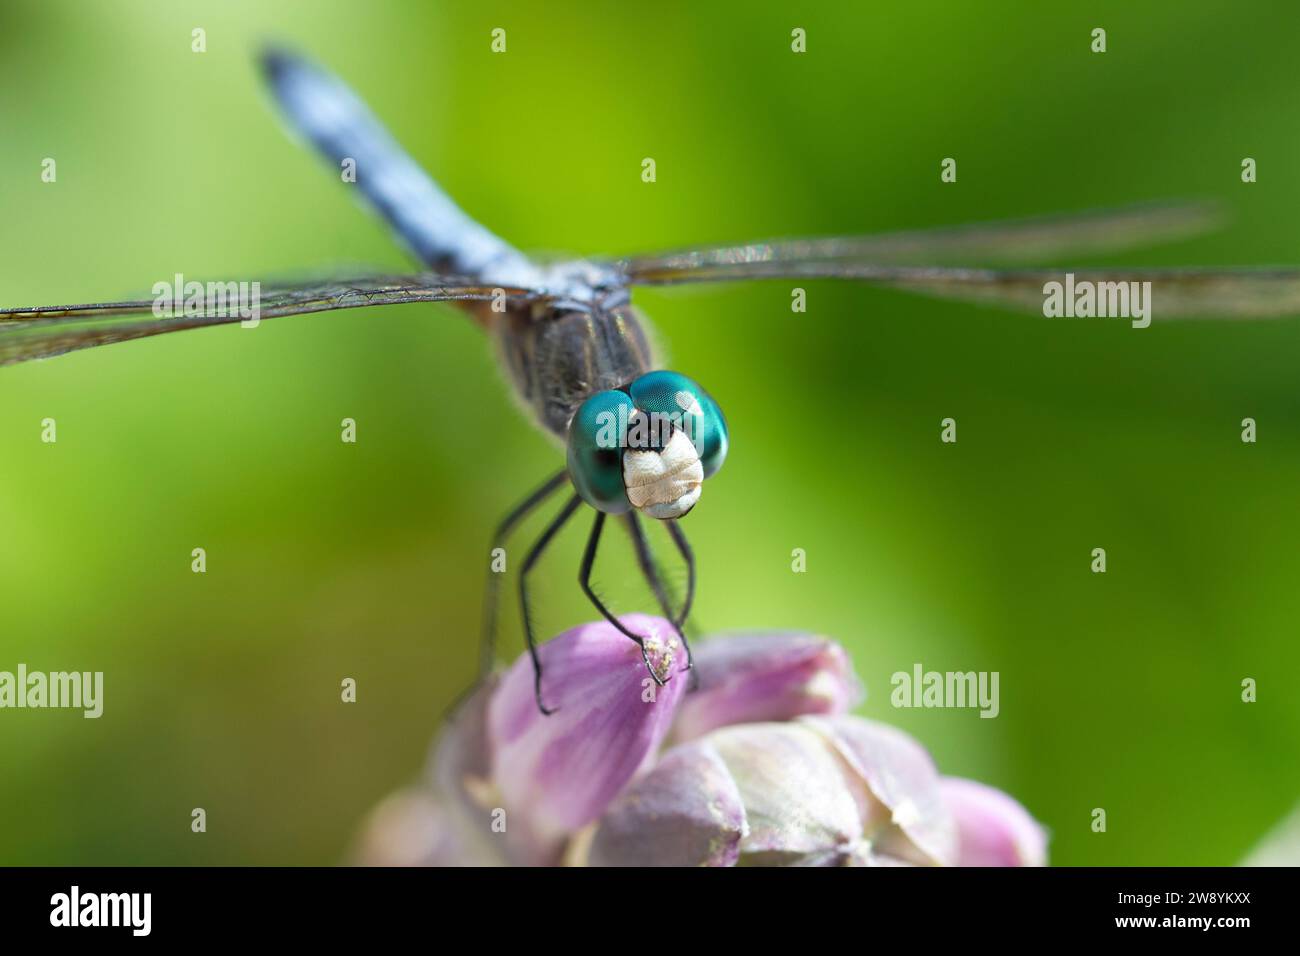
[[781, 675], [907, 814], [687, 810], [813, 792], [993, 829], [558, 772], [413, 827]]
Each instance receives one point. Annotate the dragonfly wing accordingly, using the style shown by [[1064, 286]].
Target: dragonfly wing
[[45, 331], [322, 108], [1011, 242], [1172, 293]]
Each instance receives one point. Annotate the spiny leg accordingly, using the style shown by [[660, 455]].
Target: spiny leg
[[556, 524], [584, 579], [688, 555], [683, 546], [644, 558], [492, 596]]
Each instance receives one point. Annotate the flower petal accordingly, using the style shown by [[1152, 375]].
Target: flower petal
[[684, 812], [414, 828], [856, 854], [461, 763], [797, 795], [910, 819], [559, 772], [747, 678], [992, 828]]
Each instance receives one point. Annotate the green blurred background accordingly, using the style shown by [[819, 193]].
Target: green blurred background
[[328, 560]]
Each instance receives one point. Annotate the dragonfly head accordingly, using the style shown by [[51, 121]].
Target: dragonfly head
[[647, 446]]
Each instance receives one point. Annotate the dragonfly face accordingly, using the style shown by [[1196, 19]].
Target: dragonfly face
[[648, 446], [640, 441]]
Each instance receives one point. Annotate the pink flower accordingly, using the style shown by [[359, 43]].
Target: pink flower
[[774, 676], [783, 793], [993, 829], [769, 769], [557, 773]]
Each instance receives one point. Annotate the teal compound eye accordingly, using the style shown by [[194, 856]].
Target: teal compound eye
[[597, 438], [690, 408]]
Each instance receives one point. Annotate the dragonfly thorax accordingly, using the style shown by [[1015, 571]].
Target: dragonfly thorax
[[557, 357]]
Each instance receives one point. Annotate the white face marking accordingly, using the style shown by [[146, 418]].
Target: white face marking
[[664, 484]]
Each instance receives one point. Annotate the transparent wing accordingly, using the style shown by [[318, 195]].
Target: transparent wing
[[1011, 242], [1173, 293], [48, 330]]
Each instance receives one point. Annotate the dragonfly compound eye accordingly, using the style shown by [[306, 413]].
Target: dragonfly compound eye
[[597, 440], [671, 396], [649, 447]]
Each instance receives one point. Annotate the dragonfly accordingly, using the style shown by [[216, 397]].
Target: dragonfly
[[639, 440]]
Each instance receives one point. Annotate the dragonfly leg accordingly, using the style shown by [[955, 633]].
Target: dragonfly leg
[[684, 547], [492, 596], [584, 579], [551, 530], [651, 571]]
